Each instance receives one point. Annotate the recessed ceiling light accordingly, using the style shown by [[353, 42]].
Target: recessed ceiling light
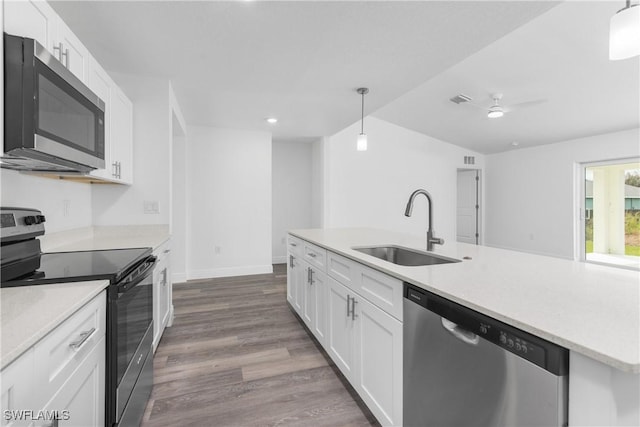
[[271, 120]]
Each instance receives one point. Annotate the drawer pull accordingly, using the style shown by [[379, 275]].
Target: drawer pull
[[293, 244], [166, 251], [312, 255], [84, 336]]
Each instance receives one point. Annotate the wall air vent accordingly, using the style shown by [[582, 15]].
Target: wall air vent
[[459, 99], [469, 160]]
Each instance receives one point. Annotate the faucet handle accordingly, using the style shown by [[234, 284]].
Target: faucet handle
[[437, 241]]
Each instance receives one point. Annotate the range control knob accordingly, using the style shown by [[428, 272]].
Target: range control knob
[[30, 220], [41, 218]]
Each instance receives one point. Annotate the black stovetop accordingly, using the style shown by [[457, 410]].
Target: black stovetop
[[59, 267]]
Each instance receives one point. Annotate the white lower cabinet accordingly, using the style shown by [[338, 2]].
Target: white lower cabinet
[[80, 400], [354, 313], [162, 293], [366, 345], [378, 361], [313, 309], [295, 283], [62, 376], [340, 343]]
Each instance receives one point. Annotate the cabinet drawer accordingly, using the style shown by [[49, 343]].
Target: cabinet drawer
[[382, 290], [315, 255], [343, 269], [62, 350], [294, 245]]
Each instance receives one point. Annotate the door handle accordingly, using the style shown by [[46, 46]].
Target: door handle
[[462, 334]]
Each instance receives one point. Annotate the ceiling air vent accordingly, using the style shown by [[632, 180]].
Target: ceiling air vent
[[459, 99]]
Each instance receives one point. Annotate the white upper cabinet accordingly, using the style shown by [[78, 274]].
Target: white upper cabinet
[[71, 52], [121, 140], [37, 20], [33, 19], [101, 84]]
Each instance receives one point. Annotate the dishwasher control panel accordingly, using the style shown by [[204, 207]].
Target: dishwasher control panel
[[530, 347]]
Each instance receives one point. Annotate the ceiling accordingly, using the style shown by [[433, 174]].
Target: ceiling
[[234, 63]]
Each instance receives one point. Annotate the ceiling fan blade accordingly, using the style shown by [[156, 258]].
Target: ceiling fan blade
[[526, 104]]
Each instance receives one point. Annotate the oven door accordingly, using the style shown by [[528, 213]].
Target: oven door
[[132, 323]]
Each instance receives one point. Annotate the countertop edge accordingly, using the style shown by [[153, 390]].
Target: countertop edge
[[9, 357]]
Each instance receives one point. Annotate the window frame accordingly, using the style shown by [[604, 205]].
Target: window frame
[[580, 252]]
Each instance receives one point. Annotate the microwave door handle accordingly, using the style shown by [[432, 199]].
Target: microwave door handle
[[151, 263]]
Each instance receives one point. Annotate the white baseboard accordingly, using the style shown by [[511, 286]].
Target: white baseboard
[[279, 259], [229, 272]]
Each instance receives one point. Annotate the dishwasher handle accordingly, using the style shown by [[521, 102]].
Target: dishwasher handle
[[462, 334]]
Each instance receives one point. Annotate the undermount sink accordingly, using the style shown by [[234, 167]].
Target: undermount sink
[[404, 256]]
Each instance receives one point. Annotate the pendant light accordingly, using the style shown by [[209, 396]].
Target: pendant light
[[624, 33], [362, 138]]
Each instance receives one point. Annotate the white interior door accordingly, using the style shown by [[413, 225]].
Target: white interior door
[[468, 207]]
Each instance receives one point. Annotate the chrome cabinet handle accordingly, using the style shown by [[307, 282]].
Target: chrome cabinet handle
[[84, 336], [348, 303], [166, 251], [311, 276], [292, 244], [460, 333], [353, 308], [114, 167], [308, 274], [58, 48], [312, 255], [290, 261]]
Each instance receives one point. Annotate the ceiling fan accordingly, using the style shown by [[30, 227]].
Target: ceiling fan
[[497, 108]]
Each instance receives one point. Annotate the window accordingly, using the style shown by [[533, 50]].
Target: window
[[610, 220]]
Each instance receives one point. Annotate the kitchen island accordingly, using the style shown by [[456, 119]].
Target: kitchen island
[[592, 310]]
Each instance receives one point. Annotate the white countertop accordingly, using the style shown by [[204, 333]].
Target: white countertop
[[587, 308], [28, 313], [106, 237]]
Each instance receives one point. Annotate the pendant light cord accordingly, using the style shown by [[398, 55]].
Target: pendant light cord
[[362, 118]]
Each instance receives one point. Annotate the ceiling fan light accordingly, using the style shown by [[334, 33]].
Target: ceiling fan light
[[361, 145], [624, 33], [495, 112]]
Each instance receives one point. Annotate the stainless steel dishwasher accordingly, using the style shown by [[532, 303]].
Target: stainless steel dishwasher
[[462, 368]]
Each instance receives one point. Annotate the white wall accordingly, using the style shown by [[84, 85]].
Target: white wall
[[120, 204], [292, 192], [229, 181], [372, 188], [50, 196], [529, 204], [318, 183]]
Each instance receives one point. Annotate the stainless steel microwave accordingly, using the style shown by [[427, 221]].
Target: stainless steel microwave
[[52, 121]]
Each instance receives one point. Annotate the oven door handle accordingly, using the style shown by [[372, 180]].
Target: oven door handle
[[150, 263]]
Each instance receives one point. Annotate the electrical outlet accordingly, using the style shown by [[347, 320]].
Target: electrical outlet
[[151, 207], [66, 207]]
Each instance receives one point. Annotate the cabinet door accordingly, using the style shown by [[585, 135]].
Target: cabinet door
[[319, 284], [18, 391], [100, 83], [309, 300], [299, 280], [378, 354], [291, 281], [80, 400], [75, 56], [122, 135], [31, 18], [339, 340]]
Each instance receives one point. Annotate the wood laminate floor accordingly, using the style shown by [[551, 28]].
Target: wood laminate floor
[[237, 356]]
